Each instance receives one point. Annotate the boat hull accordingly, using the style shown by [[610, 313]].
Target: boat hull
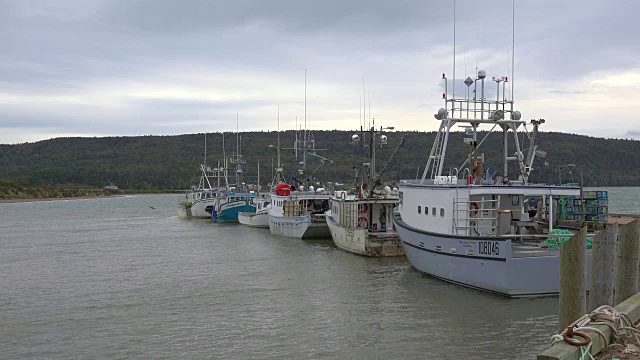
[[199, 209], [254, 220], [229, 211], [489, 264], [299, 227], [363, 242]]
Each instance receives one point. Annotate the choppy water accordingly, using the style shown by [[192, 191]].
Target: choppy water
[[113, 278]]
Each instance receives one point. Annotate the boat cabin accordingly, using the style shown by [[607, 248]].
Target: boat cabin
[[458, 208], [372, 213]]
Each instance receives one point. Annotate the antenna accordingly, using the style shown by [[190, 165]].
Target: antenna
[[304, 142], [360, 115], [364, 104], [453, 95], [369, 94], [513, 44], [205, 150], [279, 136], [237, 136]]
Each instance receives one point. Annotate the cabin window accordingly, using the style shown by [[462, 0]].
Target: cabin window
[[433, 211], [419, 210], [515, 200], [441, 212], [426, 210]]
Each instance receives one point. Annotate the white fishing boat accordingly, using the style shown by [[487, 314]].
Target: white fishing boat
[[472, 227], [201, 199], [298, 213], [362, 222], [260, 217]]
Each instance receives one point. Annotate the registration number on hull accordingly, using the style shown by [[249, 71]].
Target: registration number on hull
[[489, 248]]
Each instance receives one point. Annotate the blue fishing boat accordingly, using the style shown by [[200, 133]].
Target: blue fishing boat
[[231, 204], [239, 198]]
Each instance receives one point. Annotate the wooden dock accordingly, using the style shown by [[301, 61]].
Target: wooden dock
[[615, 271]]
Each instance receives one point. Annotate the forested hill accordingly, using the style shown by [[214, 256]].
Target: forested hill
[[171, 162]]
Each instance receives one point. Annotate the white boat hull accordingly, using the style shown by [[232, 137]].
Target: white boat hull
[[363, 242], [254, 220], [489, 264], [196, 209], [299, 227]]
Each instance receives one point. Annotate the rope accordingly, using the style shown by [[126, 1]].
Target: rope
[[584, 350], [620, 324]]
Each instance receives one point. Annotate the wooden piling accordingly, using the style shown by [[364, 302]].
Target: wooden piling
[[603, 267], [573, 279], [628, 261], [563, 351]]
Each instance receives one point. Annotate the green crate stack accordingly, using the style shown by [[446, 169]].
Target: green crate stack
[[596, 206]]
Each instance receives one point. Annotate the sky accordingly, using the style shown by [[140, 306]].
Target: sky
[[164, 67]]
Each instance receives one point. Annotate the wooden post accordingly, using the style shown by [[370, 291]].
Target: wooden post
[[603, 267], [628, 261], [573, 279]]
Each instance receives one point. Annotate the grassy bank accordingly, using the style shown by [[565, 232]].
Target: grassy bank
[[11, 191]]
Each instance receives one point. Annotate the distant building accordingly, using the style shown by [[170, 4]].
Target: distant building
[[110, 187]]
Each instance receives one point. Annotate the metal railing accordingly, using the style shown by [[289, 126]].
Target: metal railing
[[475, 217]]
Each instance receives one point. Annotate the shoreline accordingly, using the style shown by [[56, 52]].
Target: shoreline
[[14, 201]]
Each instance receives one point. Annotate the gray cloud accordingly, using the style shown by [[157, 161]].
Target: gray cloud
[[98, 53]]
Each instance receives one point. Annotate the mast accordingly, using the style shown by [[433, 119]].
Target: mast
[[224, 155], [237, 136], [453, 94], [304, 142], [513, 46], [279, 136], [205, 151], [218, 173]]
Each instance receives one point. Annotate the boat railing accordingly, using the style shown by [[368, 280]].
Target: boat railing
[[348, 212], [475, 217]]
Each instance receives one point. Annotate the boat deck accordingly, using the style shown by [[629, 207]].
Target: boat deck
[[531, 249]]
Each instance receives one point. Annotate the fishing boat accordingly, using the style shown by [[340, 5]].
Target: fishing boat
[[299, 213], [260, 217], [361, 222], [471, 227], [200, 200], [231, 204], [238, 198]]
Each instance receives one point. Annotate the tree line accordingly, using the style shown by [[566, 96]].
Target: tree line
[[172, 162]]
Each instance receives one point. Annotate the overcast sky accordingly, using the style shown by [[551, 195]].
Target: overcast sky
[[139, 67]]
